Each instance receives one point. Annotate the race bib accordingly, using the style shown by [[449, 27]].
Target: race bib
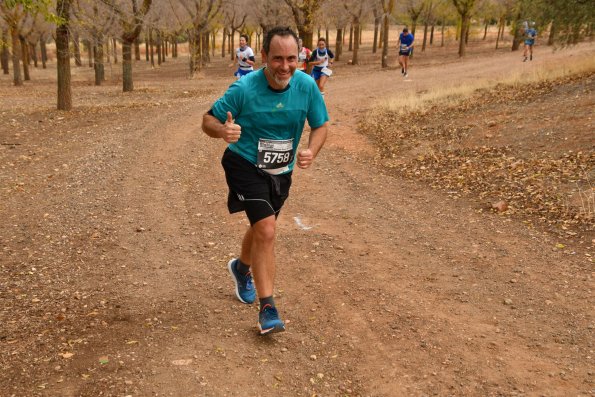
[[274, 156], [403, 47]]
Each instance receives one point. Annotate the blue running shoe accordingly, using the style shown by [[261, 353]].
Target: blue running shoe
[[269, 321], [244, 286]]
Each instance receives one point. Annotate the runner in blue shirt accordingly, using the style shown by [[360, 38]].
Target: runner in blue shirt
[[405, 45], [262, 117], [530, 35]]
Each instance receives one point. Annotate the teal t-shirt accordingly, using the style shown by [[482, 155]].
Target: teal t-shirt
[[264, 113]]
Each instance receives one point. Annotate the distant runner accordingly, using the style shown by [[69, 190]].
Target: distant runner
[[405, 45], [530, 35], [322, 58], [304, 55], [244, 58]]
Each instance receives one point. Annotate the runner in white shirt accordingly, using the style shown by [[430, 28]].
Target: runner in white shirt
[[244, 58], [322, 58]]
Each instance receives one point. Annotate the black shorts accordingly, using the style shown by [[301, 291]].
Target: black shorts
[[254, 191], [405, 53]]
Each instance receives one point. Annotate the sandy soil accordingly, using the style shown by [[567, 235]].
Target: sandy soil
[[115, 237]]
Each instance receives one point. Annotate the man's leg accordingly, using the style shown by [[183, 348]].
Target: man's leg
[[321, 83], [262, 238], [401, 64], [246, 254], [263, 269], [525, 53], [406, 64]]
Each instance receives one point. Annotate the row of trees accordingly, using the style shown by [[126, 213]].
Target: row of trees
[[28, 24]]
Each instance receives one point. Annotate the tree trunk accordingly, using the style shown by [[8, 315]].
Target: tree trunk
[[350, 38], [137, 49], [77, 49], [44, 52], [432, 33], [152, 55], [442, 33], [33, 47], [232, 45], [465, 20], [98, 55], [163, 48], [339, 44], [127, 84], [115, 49], [500, 26], [63, 56], [4, 53], [356, 37], [147, 46], [425, 40], [17, 78], [376, 28], [223, 42], [516, 42], [485, 32], [25, 58], [158, 46], [385, 29], [90, 53], [552, 36], [467, 32], [107, 51]]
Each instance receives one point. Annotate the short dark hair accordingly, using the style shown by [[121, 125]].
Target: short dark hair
[[321, 39], [245, 36], [405, 30], [282, 31]]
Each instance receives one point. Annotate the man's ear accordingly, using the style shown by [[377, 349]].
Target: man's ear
[[263, 55]]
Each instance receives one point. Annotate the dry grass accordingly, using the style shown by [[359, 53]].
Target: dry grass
[[456, 92]]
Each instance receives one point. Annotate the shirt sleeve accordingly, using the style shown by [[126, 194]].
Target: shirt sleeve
[[231, 101], [330, 54], [313, 56]]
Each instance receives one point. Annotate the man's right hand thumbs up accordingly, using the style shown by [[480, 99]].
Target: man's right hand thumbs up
[[231, 131]]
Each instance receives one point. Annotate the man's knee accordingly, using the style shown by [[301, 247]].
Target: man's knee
[[264, 229]]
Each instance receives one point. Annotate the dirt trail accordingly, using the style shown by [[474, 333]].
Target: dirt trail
[[389, 287]]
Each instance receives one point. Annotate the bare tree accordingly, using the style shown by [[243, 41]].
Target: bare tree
[[13, 16], [95, 21], [304, 15], [387, 9], [4, 53], [131, 21], [197, 20], [465, 9], [63, 55], [414, 9], [358, 10]]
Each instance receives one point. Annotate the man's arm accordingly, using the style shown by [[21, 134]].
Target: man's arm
[[306, 157], [228, 131]]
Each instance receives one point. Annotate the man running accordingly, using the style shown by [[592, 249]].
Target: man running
[[244, 58], [405, 45], [322, 58], [270, 107], [530, 35], [304, 54]]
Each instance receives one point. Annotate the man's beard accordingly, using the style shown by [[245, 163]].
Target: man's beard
[[280, 82]]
